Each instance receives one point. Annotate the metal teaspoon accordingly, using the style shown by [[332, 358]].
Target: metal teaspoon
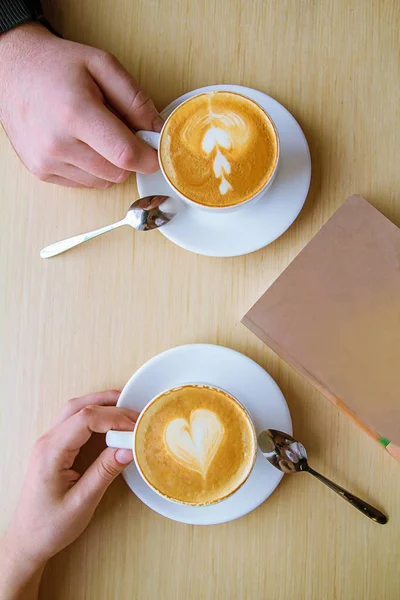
[[150, 212], [288, 455]]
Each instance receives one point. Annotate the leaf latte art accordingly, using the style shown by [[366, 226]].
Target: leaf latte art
[[219, 149], [195, 444], [223, 131]]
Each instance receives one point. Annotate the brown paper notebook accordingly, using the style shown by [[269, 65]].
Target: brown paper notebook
[[334, 315]]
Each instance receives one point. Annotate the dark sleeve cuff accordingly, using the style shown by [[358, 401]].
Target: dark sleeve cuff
[[15, 12]]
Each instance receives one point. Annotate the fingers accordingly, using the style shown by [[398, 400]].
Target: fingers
[[92, 485], [63, 442], [82, 156], [124, 94], [109, 137], [80, 177], [108, 398], [62, 181]]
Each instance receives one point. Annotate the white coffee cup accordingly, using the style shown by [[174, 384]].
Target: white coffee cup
[[153, 139], [126, 439]]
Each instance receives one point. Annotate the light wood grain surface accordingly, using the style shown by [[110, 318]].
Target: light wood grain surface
[[88, 319]]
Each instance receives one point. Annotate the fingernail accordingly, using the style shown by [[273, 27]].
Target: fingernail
[[123, 456], [158, 124]]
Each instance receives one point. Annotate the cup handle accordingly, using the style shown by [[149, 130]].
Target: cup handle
[[150, 137], [119, 439]]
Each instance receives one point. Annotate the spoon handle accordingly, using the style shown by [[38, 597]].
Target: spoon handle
[[364, 507], [64, 245]]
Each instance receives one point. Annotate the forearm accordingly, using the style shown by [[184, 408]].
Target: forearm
[[19, 577]]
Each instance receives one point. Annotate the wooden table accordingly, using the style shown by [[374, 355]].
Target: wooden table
[[86, 320]]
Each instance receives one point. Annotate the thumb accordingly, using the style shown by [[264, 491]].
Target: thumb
[[124, 93], [102, 473]]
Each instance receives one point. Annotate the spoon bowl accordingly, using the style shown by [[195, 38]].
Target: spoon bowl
[[150, 212], [284, 452]]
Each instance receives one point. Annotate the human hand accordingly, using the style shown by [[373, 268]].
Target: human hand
[[57, 503], [52, 106]]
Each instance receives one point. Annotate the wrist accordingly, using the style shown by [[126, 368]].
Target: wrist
[[20, 43], [20, 575], [19, 559], [18, 49], [22, 31]]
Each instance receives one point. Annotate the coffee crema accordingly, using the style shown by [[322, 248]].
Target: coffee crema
[[219, 149], [195, 445]]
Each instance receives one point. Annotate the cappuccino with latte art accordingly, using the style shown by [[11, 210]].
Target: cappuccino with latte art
[[219, 149], [195, 445]]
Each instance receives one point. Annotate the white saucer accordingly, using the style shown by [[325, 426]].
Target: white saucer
[[245, 380], [254, 225]]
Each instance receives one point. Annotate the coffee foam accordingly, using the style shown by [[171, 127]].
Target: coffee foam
[[195, 445], [219, 149]]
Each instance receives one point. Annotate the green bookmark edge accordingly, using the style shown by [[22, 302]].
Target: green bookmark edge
[[384, 441]]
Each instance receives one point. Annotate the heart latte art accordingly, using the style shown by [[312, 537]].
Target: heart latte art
[[195, 444], [219, 149]]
